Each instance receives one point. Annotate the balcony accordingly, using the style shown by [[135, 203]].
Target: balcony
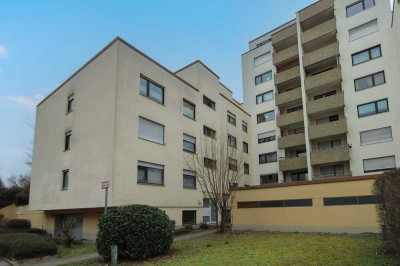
[[322, 54], [321, 177], [286, 97], [291, 141], [287, 75], [326, 130], [324, 79], [285, 38], [290, 118], [285, 55], [316, 13], [334, 155], [319, 36], [329, 103], [293, 164]]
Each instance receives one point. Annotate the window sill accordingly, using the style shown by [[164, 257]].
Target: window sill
[[151, 184], [194, 119], [63, 189], [67, 113], [162, 144], [191, 152], [191, 188], [66, 150]]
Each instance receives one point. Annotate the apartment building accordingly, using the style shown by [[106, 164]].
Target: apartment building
[[322, 91], [125, 118]]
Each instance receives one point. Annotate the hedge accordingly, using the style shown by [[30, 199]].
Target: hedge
[[24, 246], [36, 231], [18, 224]]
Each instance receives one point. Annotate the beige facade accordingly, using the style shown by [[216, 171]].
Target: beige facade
[[333, 91], [37, 218]]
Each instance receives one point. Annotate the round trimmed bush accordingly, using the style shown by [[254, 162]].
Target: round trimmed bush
[[18, 224], [139, 231]]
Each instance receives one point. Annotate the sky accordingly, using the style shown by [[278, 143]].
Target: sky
[[43, 42]]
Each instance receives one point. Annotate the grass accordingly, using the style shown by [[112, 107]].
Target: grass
[[76, 249], [263, 248]]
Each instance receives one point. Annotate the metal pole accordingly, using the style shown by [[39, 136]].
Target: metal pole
[[105, 203]]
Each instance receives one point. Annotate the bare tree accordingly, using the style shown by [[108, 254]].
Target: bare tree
[[28, 153], [218, 165], [20, 186]]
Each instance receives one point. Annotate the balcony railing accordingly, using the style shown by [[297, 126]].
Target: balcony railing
[[315, 9], [284, 34], [288, 96], [329, 129], [325, 104], [319, 177], [291, 141], [290, 118], [321, 54], [296, 163], [323, 79], [285, 55], [316, 32], [287, 75], [336, 154]]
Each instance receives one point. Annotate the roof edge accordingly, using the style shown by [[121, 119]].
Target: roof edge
[[195, 62]]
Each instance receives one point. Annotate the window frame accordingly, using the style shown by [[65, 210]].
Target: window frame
[[231, 118], [260, 77], [232, 141], [356, 3], [70, 103], [246, 166], [195, 216], [273, 175], [263, 115], [148, 82], [214, 132], [373, 80], [163, 141], [265, 155], [147, 173], [262, 97], [245, 147], [232, 164], [207, 100], [369, 55], [244, 126], [209, 163], [375, 142], [65, 177], [267, 138], [194, 144], [191, 176], [379, 170], [375, 106], [67, 140], [191, 104]]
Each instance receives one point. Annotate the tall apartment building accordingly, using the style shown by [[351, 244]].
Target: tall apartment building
[[125, 118], [322, 91]]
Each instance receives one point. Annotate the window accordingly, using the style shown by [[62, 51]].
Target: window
[[209, 132], [67, 143], [263, 77], [295, 131], [151, 90], [379, 164], [233, 164], [231, 141], [151, 131], [353, 200], [149, 173], [231, 118], [189, 179], [245, 147], [321, 96], [189, 143], [208, 102], [188, 217], [268, 179], [244, 126], [267, 158], [297, 153], [328, 119], [246, 168], [294, 109], [376, 135], [299, 176], [367, 109], [210, 163], [363, 30], [332, 170], [267, 136], [267, 116], [189, 109], [325, 145], [65, 179], [369, 81], [259, 60], [359, 7], [70, 103], [366, 55], [266, 96]]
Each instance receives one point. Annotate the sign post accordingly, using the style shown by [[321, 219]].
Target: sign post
[[105, 185]]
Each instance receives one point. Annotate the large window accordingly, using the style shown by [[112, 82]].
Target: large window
[[246, 168], [68, 140], [332, 170], [65, 179], [231, 141], [359, 7], [70, 103], [231, 118], [372, 108], [233, 164], [299, 176], [330, 144], [268, 179], [149, 173], [262, 59], [369, 81], [151, 90], [210, 163], [376, 135], [366, 55], [189, 109], [151, 131], [379, 164], [189, 143], [267, 157], [209, 102], [324, 120], [267, 116], [263, 77], [245, 147], [267, 136], [363, 30], [209, 132], [263, 97], [188, 217], [189, 179]]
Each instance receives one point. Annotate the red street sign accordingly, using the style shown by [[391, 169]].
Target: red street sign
[[105, 184]]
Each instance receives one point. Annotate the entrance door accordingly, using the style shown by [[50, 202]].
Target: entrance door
[[76, 229], [209, 213]]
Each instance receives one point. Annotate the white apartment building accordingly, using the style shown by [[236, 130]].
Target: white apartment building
[[322, 91]]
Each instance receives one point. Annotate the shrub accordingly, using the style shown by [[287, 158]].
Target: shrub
[[204, 226], [36, 231], [18, 224], [24, 246], [387, 191], [181, 231], [139, 231]]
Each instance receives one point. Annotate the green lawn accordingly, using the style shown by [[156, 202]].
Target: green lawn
[[76, 249], [261, 248]]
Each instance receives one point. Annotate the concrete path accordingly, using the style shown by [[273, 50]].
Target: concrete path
[[72, 259]]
